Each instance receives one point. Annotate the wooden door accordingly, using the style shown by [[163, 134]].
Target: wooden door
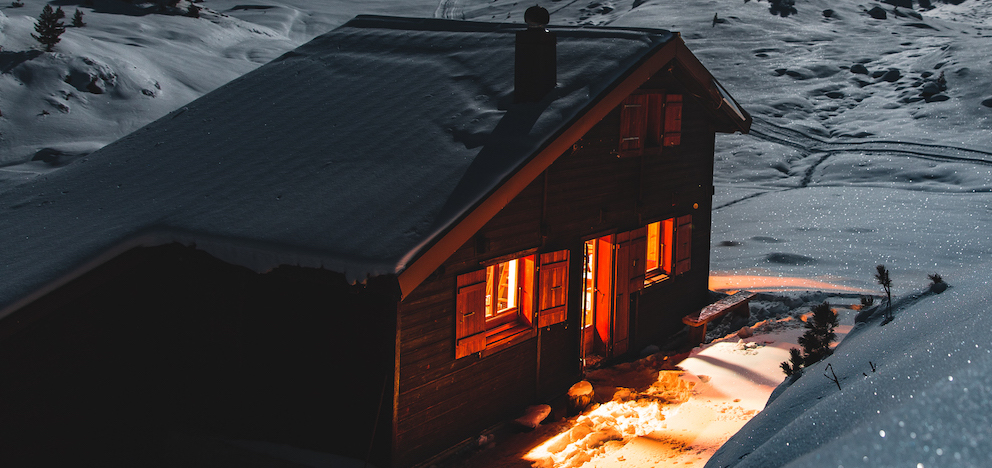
[[629, 279]]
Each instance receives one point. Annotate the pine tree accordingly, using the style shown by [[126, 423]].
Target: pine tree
[[49, 27], [882, 277], [77, 19], [819, 334], [815, 341]]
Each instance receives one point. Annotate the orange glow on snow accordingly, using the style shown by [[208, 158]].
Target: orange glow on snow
[[757, 283]]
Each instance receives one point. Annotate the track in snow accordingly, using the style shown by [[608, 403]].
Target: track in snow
[[821, 149]]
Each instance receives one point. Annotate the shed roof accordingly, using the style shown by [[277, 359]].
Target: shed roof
[[356, 152]]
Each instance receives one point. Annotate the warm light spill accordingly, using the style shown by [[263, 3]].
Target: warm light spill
[[726, 283]]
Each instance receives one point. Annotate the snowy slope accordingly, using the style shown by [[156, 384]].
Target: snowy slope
[[927, 403]]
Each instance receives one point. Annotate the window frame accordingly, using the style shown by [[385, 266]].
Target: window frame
[[674, 257]]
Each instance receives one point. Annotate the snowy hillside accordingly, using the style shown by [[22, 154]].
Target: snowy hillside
[[871, 144]]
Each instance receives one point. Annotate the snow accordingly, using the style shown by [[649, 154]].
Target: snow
[[841, 172]]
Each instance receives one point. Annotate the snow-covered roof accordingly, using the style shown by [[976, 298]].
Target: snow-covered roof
[[354, 152]]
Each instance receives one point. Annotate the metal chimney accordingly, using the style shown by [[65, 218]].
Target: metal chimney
[[535, 64]]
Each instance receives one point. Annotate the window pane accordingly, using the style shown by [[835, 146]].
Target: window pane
[[652, 259]]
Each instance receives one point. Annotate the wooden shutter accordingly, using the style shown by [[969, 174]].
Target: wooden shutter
[[470, 314], [553, 289], [655, 120], [673, 120], [633, 124], [683, 244], [637, 258]]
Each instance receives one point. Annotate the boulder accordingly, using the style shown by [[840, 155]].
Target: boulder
[[930, 88], [828, 13], [859, 69], [987, 102], [580, 397], [892, 75], [533, 416], [877, 13], [900, 3]]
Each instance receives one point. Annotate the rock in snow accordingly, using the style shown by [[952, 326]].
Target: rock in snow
[[533, 416]]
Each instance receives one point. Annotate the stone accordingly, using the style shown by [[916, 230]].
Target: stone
[[987, 102], [828, 13], [891, 76], [533, 416], [859, 69], [580, 397], [877, 13], [930, 88]]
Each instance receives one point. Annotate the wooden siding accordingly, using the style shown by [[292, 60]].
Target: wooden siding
[[587, 192]]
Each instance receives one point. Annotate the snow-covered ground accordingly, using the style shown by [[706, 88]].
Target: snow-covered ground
[[845, 168]]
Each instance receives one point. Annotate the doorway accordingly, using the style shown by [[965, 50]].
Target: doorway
[[613, 273]]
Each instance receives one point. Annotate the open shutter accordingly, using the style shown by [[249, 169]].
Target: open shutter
[[470, 314], [553, 289], [673, 120], [638, 258], [683, 244], [633, 124]]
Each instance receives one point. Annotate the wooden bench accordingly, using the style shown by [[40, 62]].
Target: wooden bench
[[736, 303]]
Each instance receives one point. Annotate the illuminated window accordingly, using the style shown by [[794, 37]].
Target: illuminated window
[[501, 290], [504, 303], [658, 260], [649, 121], [669, 247]]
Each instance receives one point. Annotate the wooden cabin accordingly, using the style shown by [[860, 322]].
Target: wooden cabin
[[373, 246]]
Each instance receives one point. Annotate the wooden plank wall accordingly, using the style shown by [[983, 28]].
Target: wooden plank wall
[[586, 193]]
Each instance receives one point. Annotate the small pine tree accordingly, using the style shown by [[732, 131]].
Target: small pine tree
[[794, 364], [883, 279], [77, 19], [49, 27], [815, 341], [819, 334]]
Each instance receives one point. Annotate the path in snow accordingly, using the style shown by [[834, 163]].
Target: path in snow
[[649, 417]]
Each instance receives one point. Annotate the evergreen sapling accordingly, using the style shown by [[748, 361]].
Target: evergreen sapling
[[815, 341], [49, 27], [883, 279], [77, 19]]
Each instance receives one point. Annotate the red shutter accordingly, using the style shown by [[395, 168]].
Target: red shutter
[[673, 120], [553, 289], [656, 120], [683, 244], [470, 314], [633, 124], [638, 258]]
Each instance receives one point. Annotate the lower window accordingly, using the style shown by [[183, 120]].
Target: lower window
[[504, 303]]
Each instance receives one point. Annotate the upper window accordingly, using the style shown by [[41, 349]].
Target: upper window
[[669, 247], [649, 121]]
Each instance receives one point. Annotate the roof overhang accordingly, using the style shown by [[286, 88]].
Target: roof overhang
[[731, 117]]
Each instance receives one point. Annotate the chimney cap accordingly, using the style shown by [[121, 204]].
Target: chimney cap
[[537, 17]]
